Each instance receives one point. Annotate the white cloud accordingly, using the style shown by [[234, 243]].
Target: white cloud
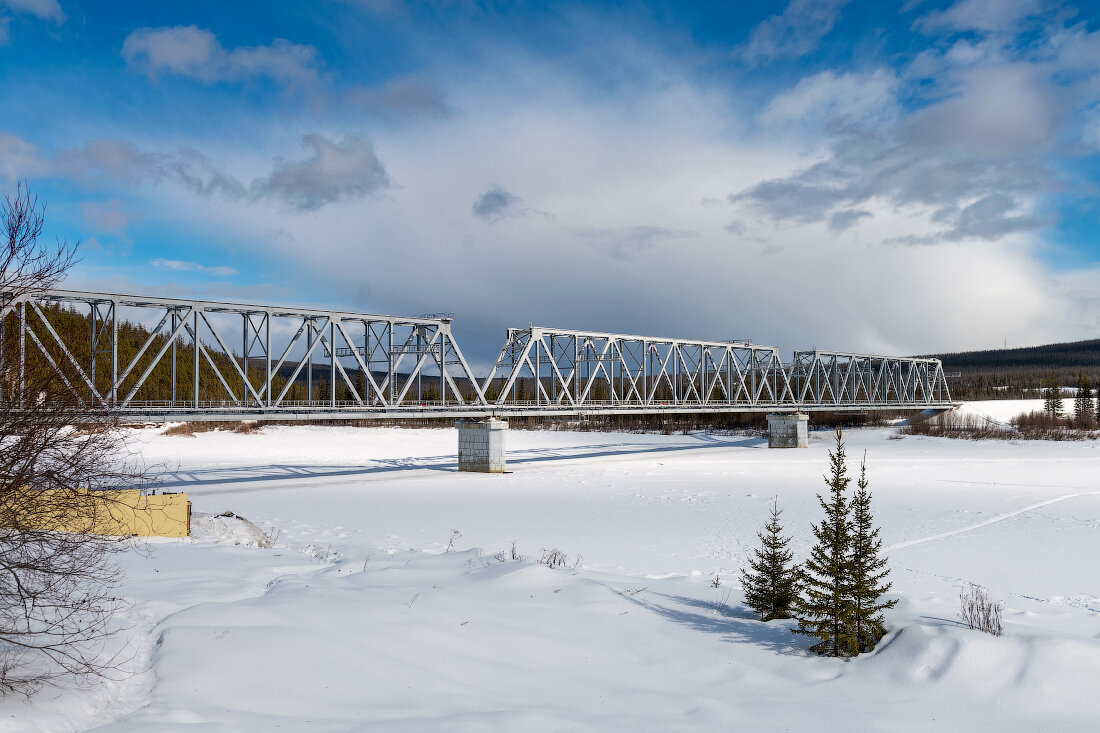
[[107, 217], [495, 204], [337, 170], [980, 15], [182, 266], [18, 158], [793, 34], [999, 110], [402, 97], [826, 96], [104, 161], [628, 243], [196, 52], [632, 249], [44, 9]]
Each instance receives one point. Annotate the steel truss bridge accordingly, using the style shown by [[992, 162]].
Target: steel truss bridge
[[305, 364]]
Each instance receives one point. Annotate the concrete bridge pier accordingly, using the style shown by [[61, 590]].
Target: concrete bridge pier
[[481, 445], [788, 430]]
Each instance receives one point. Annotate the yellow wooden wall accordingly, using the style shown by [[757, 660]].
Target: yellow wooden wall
[[121, 512]]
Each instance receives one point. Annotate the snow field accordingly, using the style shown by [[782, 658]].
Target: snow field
[[358, 619]]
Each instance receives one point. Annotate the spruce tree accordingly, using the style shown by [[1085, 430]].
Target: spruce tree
[[824, 610], [1082, 401], [868, 571], [1098, 404], [1082, 404], [771, 580], [1052, 396]]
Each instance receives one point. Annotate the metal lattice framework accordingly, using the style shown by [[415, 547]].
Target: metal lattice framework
[[293, 363], [576, 369], [381, 361], [547, 369]]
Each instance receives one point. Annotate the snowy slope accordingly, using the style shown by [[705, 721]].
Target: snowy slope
[[359, 620]]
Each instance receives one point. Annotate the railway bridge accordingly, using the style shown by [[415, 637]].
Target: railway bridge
[[151, 359]]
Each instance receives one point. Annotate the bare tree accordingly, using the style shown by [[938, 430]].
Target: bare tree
[[58, 458], [25, 263]]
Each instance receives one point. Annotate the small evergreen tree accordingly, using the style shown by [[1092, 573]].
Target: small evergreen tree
[[1098, 404], [1077, 399], [771, 580], [1082, 403], [868, 571], [1052, 396], [824, 610]]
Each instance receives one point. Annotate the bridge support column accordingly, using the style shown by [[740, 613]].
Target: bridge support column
[[788, 430], [481, 445]]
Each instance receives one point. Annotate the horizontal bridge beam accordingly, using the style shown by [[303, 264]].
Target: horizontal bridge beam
[[427, 413]]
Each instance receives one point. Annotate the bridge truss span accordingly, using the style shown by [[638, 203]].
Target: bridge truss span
[[180, 361], [167, 359], [574, 369], [546, 369], [838, 378]]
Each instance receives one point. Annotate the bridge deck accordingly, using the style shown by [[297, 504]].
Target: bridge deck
[[324, 412]]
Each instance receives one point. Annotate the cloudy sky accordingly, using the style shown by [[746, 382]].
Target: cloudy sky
[[905, 176]]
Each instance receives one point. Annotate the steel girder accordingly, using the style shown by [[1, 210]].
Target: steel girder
[[580, 369], [382, 363], [838, 378], [385, 358]]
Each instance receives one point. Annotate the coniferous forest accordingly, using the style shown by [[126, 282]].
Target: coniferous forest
[[1020, 373]]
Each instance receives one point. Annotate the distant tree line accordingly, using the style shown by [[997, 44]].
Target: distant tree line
[[1020, 373]]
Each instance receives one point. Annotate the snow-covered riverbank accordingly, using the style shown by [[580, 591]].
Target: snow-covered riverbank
[[359, 619]]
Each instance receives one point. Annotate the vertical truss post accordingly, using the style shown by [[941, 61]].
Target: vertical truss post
[[114, 353], [22, 352], [172, 399], [93, 347], [268, 387], [195, 360], [309, 360], [246, 321]]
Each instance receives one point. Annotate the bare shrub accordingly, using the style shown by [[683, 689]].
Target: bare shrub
[[977, 611], [553, 558], [958, 425], [58, 578], [189, 429], [1040, 425], [185, 429], [1028, 426]]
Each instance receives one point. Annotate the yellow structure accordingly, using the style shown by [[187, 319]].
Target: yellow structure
[[118, 512]]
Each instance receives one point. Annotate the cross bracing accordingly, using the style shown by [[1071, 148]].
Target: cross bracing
[[205, 360]]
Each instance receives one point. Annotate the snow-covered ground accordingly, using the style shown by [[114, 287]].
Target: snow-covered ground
[[360, 619], [1001, 412]]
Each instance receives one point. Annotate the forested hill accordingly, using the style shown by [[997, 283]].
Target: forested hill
[[1073, 355], [1014, 373]]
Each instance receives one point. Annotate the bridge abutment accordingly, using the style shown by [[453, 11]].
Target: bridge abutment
[[788, 430], [481, 445]]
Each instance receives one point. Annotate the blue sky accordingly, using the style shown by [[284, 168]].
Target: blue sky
[[892, 176]]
